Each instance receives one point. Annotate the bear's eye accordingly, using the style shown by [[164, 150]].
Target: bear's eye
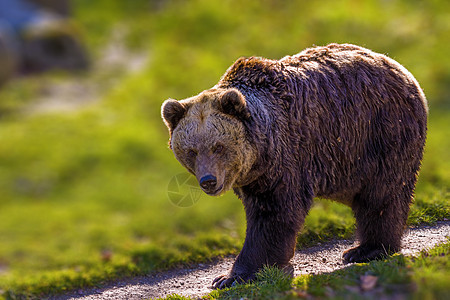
[[192, 153], [218, 149]]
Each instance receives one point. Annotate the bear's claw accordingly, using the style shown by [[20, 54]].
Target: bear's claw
[[223, 281], [362, 254]]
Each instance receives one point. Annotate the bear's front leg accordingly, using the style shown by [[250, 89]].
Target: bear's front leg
[[272, 227]]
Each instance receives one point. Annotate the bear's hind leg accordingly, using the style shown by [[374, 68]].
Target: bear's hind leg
[[381, 216]]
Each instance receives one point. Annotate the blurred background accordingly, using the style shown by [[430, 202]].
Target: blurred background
[[36, 35], [84, 163]]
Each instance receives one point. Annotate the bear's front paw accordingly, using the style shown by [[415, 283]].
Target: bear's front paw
[[364, 254], [224, 281]]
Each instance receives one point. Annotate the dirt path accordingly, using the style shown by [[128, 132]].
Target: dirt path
[[196, 281]]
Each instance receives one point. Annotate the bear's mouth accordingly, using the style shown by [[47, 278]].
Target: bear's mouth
[[215, 192]]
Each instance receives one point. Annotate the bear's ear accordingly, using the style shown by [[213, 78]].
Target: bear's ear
[[232, 102], [172, 111]]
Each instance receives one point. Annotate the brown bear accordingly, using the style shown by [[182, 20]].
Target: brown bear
[[338, 122]]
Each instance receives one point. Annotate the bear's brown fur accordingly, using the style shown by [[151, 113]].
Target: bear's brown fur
[[338, 122]]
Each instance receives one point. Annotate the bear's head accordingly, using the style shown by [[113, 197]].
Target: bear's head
[[208, 137]]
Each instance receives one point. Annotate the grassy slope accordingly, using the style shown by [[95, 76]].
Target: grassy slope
[[84, 195]]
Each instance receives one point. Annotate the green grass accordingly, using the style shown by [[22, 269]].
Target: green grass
[[84, 194], [425, 276]]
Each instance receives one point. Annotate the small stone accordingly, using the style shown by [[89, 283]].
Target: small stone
[[368, 282]]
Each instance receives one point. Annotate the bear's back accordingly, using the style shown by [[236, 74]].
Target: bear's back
[[345, 105]]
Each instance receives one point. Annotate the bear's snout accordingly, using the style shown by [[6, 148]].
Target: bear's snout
[[208, 183]]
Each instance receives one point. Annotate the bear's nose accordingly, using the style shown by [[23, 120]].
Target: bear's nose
[[208, 182]]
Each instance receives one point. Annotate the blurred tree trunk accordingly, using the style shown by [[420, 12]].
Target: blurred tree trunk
[[9, 58]]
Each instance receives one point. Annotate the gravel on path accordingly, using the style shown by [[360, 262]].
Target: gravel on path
[[196, 281]]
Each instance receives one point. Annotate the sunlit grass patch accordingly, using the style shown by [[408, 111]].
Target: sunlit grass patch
[[424, 276], [269, 282]]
